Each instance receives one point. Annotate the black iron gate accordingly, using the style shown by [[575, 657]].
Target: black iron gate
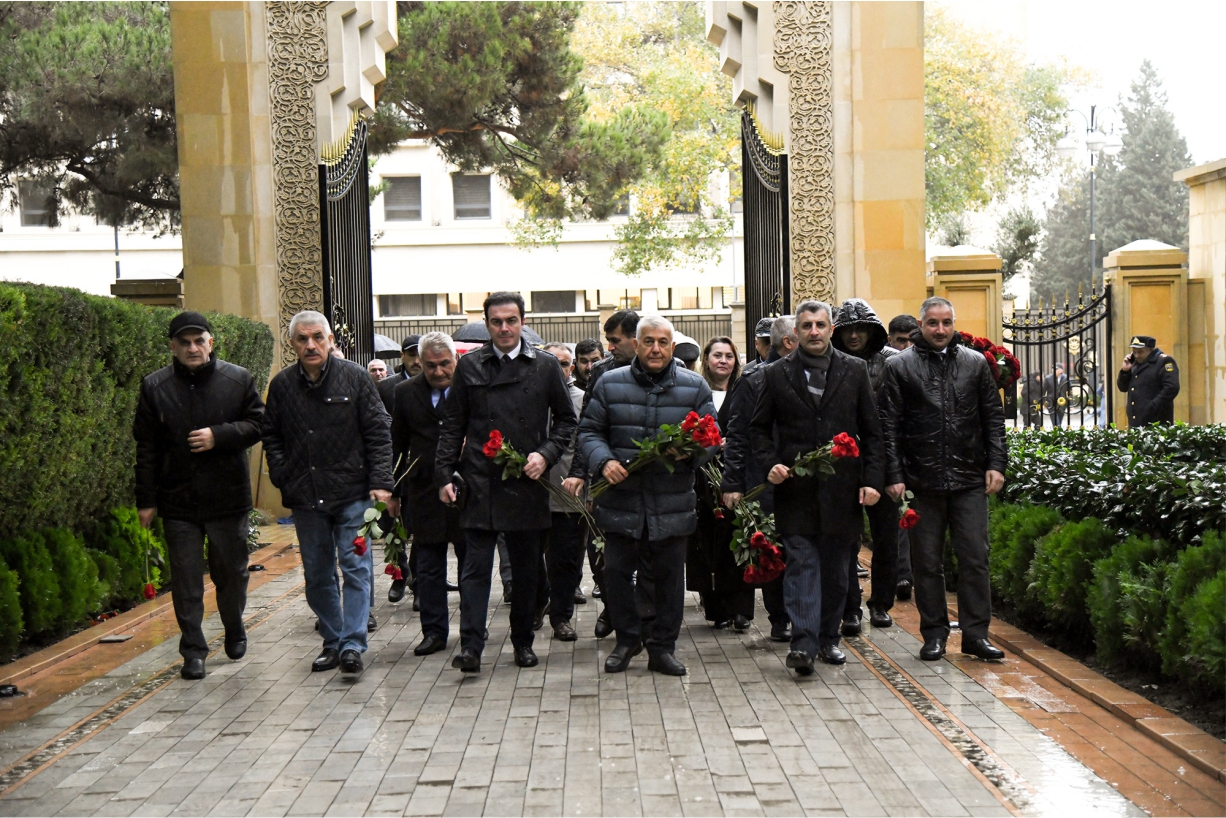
[[1066, 359], [764, 177], [344, 227]]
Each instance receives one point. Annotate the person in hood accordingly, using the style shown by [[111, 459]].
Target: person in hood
[[859, 333]]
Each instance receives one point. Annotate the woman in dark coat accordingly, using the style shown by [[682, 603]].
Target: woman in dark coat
[[710, 568]]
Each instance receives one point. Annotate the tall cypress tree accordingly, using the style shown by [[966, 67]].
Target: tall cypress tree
[[1064, 259]]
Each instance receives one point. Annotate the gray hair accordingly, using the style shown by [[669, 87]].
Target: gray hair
[[935, 301], [556, 345], [653, 322], [783, 327], [436, 342], [311, 318], [813, 306]]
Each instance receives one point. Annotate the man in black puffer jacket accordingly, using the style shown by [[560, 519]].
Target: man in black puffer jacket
[[329, 447], [858, 332], [651, 511], [945, 441], [194, 423]]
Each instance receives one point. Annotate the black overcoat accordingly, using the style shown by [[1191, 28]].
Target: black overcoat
[[1151, 388], [516, 398], [787, 423], [416, 422]]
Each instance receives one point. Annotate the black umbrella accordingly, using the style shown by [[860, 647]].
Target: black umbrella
[[385, 347], [476, 332]]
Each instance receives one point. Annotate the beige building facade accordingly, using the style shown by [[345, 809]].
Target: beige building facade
[[1206, 291]]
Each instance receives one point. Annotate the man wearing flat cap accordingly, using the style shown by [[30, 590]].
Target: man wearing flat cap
[[194, 423], [1150, 379], [762, 337], [410, 365]]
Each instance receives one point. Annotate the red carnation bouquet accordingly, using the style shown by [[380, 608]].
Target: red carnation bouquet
[[513, 463], [1005, 367], [691, 438]]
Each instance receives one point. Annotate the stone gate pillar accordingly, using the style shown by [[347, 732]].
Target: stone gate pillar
[[969, 278]]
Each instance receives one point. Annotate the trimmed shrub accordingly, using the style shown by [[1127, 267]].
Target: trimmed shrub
[[1121, 596], [1205, 660], [1193, 568], [1062, 567], [39, 590], [1010, 556], [80, 592], [109, 576], [11, 624], [122, 537]]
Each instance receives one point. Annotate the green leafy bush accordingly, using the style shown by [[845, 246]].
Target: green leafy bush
[[109, 576], [80, 592], [1062, 568], [1193, 568], [39, 590], [1205, 660], [121, 537], [1010, 555], [1122, 598], [11, 624]]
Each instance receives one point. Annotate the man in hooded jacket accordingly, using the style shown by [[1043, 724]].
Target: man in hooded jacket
[[859, 333]]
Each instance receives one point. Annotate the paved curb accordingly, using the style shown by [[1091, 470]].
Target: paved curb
[[1185, 740], [28, 666]]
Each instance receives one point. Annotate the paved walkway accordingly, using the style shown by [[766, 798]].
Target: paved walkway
[[885, 734]]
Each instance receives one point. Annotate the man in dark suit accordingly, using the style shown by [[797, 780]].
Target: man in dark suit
[[420, 404], [807, 398], [410, 366], [508, 387]]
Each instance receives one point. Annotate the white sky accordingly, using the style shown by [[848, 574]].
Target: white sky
[[1182, 38]]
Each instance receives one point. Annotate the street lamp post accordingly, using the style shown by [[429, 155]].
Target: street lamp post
[[1095, 142]]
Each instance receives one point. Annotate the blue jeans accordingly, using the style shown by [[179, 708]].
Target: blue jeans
[[326, 540], [814, 590]]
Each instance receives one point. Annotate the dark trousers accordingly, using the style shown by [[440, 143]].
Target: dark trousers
[[772, 600], [432, 586], [627, 600], [524, 551], [227, 568], [814, 590], [564, 558], [595, 560], [883, 526], [904, 556], [964, 515]]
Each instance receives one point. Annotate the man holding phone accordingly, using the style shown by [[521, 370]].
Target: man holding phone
[[1150, 378]]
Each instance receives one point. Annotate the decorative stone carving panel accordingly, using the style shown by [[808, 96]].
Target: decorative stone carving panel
[[803, 42], [297, 60]]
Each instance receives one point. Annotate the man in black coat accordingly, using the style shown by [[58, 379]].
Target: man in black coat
[[1150, 378], [807, 399], [420, 405], [329, 447], [742, 471], [194, 423], [651, 512], [508, 387], [410, 366], [945, 441]]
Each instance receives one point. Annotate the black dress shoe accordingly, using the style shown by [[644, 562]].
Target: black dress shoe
[[800, 662], [524, 657], [851, 625], [879, 618], [740, 623], [316, 624], [781, 633], [396, 592], [563, 632], [619, 659], [580, 599], [428, 645], [328, 659], [538, 619], [452, 588], [983, 649], [861, 571], [372, 624], [722, 625], [604, 625], [192, 669], [416, 604], [597, 593], [237, 649], [665, 663], [903, 591], [351, 662], [468, 661], [831, 655], [932, 650]]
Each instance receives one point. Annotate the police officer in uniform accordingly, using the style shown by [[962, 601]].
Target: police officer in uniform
[[1150, 377]]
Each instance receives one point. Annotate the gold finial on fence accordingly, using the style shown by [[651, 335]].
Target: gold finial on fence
[[773, 141]]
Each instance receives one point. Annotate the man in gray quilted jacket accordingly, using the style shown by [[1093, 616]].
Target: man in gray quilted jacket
[[652, 512]]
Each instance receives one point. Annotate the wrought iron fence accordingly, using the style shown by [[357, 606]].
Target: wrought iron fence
[[344, 216], [764, 178], [1066, 359]]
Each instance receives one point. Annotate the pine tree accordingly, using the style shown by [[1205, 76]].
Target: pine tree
[[1064, 260]]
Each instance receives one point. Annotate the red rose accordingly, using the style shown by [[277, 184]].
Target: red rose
[[751, 574], [966, 337], [397, 575], [690, 423], [150, 592], [758, 540], [359, 546], [909, 519], [844, 445], [493, 445], [390, 569], [719, 514]]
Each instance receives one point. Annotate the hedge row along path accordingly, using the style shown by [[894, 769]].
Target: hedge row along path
[[739, 734]]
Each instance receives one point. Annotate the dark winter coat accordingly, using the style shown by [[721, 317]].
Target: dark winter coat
[[627, 405], [416, 423], [1151, 388], [174, 402], [578, 466], [942, 416], [387, 390], [328, 443], [856, 311], [516, 398], [709, 564], [787, 423], [742, 471]]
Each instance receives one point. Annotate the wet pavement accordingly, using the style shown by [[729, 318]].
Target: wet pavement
[[885, 734]]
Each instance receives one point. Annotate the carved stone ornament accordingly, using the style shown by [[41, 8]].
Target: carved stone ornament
[[297, 59], [803, 44]]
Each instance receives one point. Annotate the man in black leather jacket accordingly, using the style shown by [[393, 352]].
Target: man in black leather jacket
[[945, 442], [194, 423]]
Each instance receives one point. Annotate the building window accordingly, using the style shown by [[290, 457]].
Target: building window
[[622, 299], [455, 304], [687, 298], [553, 300], [397, 305], [472, 196], [37, 205], [402, 199]]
